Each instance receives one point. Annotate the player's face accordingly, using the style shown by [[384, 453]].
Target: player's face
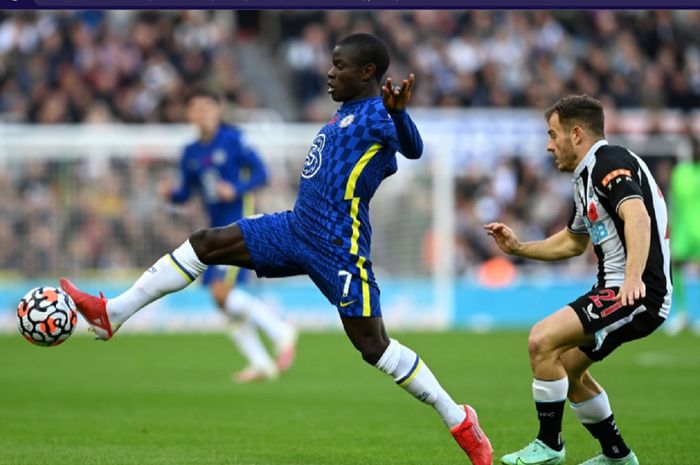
[[560, 145], [347, 79], [205, 113]]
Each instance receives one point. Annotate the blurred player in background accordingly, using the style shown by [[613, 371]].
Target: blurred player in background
[[684, 206], [327, 236], [619, 208], [225, 172]]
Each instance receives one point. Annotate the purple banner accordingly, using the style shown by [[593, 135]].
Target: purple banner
[[351, 4]]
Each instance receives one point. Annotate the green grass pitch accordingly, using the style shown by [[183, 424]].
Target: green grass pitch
[[168, 399]]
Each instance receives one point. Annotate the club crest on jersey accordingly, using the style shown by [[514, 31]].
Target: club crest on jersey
[[314, 158], [219, 157], [347, 121]]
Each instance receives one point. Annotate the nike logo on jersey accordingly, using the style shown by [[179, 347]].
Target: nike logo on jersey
[[345, 304]]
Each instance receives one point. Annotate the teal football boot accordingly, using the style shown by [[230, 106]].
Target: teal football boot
[[535, 453]]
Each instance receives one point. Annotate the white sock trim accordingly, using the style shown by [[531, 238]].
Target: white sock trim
[[186, 260], [593, 410], [550, 391], [389, 360]]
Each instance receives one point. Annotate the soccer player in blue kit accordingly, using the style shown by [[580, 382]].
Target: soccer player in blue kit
[[327, 234], [225, 171]]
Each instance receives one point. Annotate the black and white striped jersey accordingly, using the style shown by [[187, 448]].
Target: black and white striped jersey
[[607, 176]]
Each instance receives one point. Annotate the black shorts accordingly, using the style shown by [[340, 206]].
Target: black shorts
[[612, 323]]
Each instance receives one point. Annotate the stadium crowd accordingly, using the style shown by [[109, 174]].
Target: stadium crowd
[[135, 67], [55, 215]]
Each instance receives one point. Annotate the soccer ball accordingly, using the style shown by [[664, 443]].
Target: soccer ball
[[46, 316]]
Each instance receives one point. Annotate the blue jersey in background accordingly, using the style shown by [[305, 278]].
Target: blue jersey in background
[[226, 157]]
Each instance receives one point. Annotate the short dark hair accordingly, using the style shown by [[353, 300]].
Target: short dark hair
[[202, 91], [368, 49], [579, 109]]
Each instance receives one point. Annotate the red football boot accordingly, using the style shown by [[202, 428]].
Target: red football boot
[[469, 436], [92, 308]]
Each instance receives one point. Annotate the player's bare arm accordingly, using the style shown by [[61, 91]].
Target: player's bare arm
[[395, 98], [559, 246], [227, 191], [637, 238]]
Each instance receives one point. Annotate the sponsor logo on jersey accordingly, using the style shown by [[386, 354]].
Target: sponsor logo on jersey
[[345, 304], [347, 121], [314, 158], [598, 231]]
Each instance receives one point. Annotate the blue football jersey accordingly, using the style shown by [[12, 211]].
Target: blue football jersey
[[348, 159], [226, 157]]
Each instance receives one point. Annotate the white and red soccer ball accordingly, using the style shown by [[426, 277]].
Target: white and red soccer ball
[[46, 316]]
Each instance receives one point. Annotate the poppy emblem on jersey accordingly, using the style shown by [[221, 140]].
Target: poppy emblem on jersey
[[347, 121], [592, 212], [314, 158]]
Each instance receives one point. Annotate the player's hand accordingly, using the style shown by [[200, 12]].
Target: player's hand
[[395, 98], [505, 238], [632, 290], [165, 190], [227, 191]]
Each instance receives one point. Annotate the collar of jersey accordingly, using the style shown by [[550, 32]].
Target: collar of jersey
[[347, 105], [591, 152]]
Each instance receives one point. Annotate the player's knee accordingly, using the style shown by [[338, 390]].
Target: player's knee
[[538, 342], [206, 243], [372, 350], [198, 240]]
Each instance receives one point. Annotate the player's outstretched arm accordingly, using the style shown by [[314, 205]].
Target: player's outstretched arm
[[559, 246], [395, 99]]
